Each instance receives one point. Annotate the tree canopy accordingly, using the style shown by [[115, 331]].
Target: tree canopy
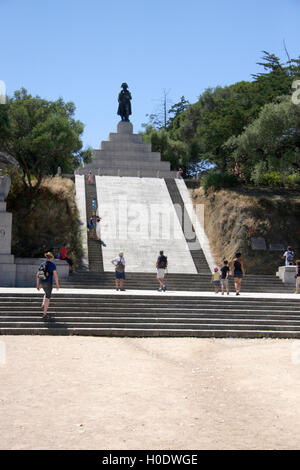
[[222, 114], [41, 135]]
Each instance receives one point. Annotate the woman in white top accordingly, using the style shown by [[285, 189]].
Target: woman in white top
[[98, 231]]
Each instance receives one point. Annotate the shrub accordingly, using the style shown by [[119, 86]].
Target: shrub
[[293, 180], [272, 178], [218, 180]]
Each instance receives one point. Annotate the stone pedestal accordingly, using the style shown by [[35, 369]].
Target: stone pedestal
[[287, 274], [125, 154], [125, 127], [7, 265]]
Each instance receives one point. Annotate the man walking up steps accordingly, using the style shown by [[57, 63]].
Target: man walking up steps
[[161, 266]]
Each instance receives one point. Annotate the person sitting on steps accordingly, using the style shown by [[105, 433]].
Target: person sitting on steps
[[64, 255]]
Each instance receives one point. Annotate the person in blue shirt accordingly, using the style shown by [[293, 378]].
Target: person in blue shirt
[[47, 284]]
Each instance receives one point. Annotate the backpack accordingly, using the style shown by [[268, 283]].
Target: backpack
[[120, 267], [289, 256], [162, 262], [43, 273]]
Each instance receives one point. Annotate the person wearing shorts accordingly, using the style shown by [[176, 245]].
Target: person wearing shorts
[[224, 277], [161, 266], [238, 272], [119, 263], [215, 280], [47, 284]]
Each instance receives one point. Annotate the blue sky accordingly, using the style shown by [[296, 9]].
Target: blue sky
[[83, 50]]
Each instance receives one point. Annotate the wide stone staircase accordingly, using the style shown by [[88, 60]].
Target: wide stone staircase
[[148, 316], [142, 314]]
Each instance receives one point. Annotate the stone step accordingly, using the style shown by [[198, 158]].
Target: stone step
[[141, 299], [150, 324], [138, 162], [168, 332], [116, 137], [194, 287], [113, 146]]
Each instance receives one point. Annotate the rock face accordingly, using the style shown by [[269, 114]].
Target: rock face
[[5, 182], [125, 154], [7, 160]]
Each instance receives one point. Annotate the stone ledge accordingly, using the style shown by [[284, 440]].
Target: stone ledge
[[287, 274]]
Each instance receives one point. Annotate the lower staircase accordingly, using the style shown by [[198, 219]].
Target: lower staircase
[[150, 316], [141, 314], [174, 282]]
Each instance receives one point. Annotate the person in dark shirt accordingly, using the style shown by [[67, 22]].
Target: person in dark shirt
[[161, 266], [238, 271], [224, 277], [47, 283]]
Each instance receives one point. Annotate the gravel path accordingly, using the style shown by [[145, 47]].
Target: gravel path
[[142, 393]]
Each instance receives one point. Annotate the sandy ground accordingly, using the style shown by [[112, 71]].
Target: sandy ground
[[162, 393]]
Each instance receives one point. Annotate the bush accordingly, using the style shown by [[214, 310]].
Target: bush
[[272, 178], [218, 180], [293, 180]]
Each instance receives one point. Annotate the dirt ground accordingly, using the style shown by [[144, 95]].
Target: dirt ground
[[163, 393]]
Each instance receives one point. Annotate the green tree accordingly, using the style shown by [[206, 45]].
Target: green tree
[[271, 142], [224, 112], [41, 135]]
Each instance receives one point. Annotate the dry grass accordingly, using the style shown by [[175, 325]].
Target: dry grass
[[45, 220], [233, 217]]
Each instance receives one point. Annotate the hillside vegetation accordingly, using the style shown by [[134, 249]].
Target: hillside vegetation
[[45, 219], [234, 216]]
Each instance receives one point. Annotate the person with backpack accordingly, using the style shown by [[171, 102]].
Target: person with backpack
[[289, 256], [161, 266], [44, 279], [92, 227], [119, 263]]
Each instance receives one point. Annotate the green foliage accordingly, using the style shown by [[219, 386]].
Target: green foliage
[[41, 135], [271, 142], [222, 127], [293, 180], [171, 150], [273, 179], [218, 179]]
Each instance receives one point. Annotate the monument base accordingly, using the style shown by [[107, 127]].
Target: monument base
[[125, 127], [7, 275]]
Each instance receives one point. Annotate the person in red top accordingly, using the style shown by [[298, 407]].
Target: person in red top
[[64, 256]]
